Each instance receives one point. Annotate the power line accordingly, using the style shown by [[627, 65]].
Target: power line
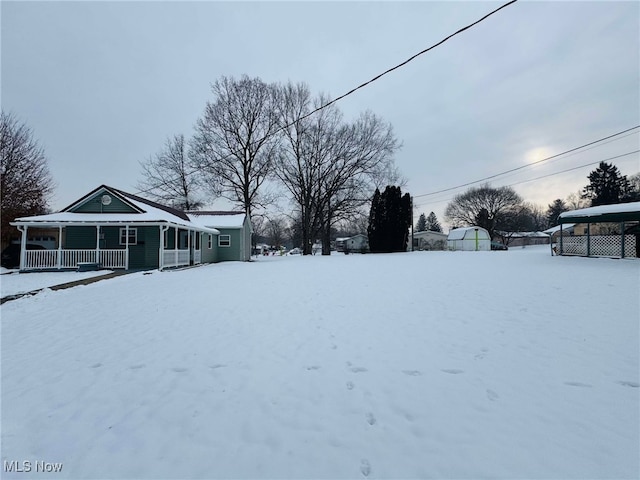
[[543, 176], [528, 165], [377, 77]]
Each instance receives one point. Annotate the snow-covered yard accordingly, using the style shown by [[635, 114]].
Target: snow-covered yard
[[12, 282], [419, 365]]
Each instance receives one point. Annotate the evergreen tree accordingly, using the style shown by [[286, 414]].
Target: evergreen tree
[[553, 212], [375, 218], [422, 223], [389, 220], [432, 223], [606, 186]]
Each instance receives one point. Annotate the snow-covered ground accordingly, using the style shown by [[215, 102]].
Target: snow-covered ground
[[419, 365], [12, 282]]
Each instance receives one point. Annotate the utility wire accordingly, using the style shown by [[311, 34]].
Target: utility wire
[[528, 165], [377, 77], [541, 177]]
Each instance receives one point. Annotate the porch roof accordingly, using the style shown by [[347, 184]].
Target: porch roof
[[149, 218]]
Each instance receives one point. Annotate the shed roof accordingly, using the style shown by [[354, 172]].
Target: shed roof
[[459, 233]]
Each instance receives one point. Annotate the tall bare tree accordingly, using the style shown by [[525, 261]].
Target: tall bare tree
[[484, 206], [26, 183], [360, 157], [167, 176], [300, 157], [235, 143]]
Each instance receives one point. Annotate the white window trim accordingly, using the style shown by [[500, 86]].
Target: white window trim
[[210, 242], [133, 233], [220, 240]]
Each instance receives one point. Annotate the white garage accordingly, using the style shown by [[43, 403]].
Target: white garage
[[469, 239]]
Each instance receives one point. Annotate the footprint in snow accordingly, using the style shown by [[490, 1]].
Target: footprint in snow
[[179, 369], [350, 385], [626, 383], [412, 373], [452, 371], [578, 384], [96, 365], [217, 365], [371, 419], [137, 367], [313, 367], [491, 395], [365, 467]]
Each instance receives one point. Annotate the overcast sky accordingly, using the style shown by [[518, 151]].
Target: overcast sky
[[103, 84]]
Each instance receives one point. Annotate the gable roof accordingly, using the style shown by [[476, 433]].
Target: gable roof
[[134, 201], [145, 211]]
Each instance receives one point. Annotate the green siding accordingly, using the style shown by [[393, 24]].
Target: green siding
[[209, 256], [145, 253], [76, 238], [94, 205], [232, 252]]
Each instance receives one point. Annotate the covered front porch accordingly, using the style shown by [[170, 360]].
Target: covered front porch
[[109, 246]]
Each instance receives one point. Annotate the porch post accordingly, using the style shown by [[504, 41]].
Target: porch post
[[561, 231], [23, 244], [622, 238], [588, 239], [126, 246], [59, 262], [175, 247], [97, 243], [189, 245]]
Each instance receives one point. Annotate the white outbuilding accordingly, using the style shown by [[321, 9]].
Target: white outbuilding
[[469, 239]]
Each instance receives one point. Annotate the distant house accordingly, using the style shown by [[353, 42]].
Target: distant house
[[521, 239], [469, 239], [428, 240], [356, 243], [117, 230]]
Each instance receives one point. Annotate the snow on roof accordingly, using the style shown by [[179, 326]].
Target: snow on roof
[[603, 209], [459, 233], [552, 230], [218, 219], [151, 215]]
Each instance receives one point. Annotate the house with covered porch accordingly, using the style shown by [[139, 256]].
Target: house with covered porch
[[117, 230]]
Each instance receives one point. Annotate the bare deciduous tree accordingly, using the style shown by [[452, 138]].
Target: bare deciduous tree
[[235, 145], [483, 206], [167, 176], [360, 157], [26, 182]]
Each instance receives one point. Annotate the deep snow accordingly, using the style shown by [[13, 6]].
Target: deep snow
[[419, 365]]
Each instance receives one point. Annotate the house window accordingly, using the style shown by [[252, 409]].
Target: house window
[[224, 241], [133, 236], [210, 242]]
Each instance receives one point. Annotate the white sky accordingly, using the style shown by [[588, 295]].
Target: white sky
[[104, 84]]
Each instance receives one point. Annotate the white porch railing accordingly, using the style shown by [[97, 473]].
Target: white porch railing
[[175, 258], [45, 259], [197, 257]]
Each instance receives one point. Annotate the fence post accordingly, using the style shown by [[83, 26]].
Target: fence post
[[622, 238], [588, 239]]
